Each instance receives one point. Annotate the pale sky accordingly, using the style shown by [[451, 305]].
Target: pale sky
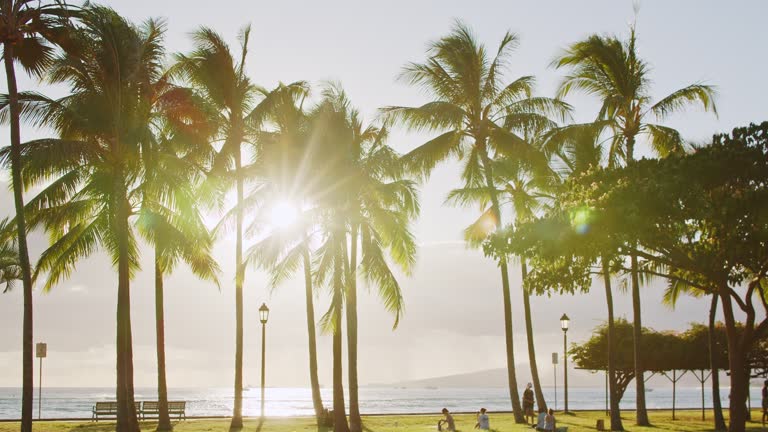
[[454, 317]]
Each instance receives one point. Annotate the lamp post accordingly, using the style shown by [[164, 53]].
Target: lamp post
[[263, 316], [564, 321]]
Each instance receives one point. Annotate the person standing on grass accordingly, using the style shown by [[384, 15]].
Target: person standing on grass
[[483, 423], [765, 401], [447, 424], [528, 404]]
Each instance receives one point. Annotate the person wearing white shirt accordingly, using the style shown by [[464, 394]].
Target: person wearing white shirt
[[483, 423], [541, 420]]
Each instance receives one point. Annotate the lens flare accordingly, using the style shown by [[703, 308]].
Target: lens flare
[[283, 214], [580, 220]]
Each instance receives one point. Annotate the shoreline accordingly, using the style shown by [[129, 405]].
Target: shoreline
[[424, 414]]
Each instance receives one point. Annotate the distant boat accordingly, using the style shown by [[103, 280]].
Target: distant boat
[[648, 389]]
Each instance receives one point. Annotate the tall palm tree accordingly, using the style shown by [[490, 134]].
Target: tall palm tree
[[381, 206], [219, 76], [170, 215], [574, 150], [285, 167], [527, 189], [478, 115], [28, 29], [610, 68], [96, 166]]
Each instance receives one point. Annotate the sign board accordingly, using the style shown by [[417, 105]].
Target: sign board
[[554, 358], [41, 350]]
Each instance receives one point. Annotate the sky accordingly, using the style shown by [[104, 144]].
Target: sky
[[453, 321]]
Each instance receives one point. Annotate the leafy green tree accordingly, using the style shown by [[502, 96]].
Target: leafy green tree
[[610, 69], [28, 31], [671, 295], [479, 117], [697, 219], [95, 169], [219, 77]]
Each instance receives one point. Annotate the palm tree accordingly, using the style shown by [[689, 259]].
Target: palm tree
[[28, 28], [96, 166], [10, 270], [381, 205], [574, 150], [220, 78], [284, 168], [527, 188], [611, 69], [478, 116], [170, 215]]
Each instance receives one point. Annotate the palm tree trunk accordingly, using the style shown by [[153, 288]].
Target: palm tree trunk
[[237, 414], [355, 423], [164, 420], [716, 405], [642, 412], [21, 232], [540, 402], [514, 396], [127, 420], [614, 396], [339, 411], [317, 400]]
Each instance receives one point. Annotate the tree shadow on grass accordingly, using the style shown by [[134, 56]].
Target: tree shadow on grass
[[93, 427]]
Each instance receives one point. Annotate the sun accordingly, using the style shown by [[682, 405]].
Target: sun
[[283, 214]]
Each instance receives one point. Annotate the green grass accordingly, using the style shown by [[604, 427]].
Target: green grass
[[687, 421]]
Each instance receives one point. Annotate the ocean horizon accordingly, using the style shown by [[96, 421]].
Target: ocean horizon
[[68, 402]]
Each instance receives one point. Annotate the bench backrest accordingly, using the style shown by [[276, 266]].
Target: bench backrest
[[177, 405], [151, 405], [106, 407], [111, 407]]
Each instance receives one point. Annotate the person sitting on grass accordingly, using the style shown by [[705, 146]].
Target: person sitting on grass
[[447, 424], [541, 420], [550, 424], [483, 423]]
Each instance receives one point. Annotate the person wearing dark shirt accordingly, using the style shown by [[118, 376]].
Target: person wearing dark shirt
[[528, 404], [765, 401]]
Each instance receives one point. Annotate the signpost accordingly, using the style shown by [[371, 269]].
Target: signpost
[[41, 351], [554, 368]]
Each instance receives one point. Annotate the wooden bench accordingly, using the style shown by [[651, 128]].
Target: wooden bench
[[178, 408], [175, 408], [109, 409]]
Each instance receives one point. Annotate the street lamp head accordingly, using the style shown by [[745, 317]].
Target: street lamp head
[[263, 313], [564, 321]]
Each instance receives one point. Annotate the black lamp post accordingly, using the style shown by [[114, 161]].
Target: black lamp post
[[564, 321], [263, 316]]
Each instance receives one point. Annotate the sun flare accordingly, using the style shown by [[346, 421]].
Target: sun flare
[[283, 214]]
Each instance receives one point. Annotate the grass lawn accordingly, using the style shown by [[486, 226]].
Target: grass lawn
[[582, 421]]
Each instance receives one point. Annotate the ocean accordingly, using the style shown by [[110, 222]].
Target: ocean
[[77, 402]]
